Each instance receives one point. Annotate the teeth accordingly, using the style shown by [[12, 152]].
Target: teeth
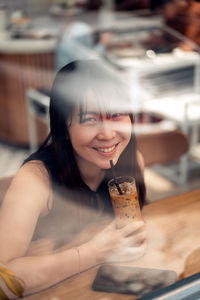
[[106, 150]]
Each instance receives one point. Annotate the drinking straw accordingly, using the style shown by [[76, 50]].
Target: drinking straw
[[114, 176]]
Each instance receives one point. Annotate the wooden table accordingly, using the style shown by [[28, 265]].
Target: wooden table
[[173, 226]]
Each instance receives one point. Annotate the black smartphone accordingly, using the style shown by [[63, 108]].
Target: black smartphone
[[132, 280]]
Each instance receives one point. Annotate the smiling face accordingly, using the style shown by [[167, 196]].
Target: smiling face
[[98, 137]]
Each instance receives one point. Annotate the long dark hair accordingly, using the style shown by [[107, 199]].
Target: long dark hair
[[71, 85]]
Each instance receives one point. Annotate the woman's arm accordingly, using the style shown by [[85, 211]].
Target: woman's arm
[[110, 244], [25, 201], [40, 272]]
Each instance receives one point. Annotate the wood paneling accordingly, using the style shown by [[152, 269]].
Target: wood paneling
[[18, 72]]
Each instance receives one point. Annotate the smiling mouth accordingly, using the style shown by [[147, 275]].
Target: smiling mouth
[[106, 150]]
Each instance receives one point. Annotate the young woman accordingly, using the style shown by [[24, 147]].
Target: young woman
[[62, 188]]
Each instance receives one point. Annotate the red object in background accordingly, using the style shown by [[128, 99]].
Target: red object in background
[[176, 15], [141, 118], [184, 17]]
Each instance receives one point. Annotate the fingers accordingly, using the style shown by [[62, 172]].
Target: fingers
[[126, 254], [136, 252], [136, 240], [129, 229], [127, 243], [132, 228]]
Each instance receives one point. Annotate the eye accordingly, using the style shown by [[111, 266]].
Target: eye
[[116, 116], [89, 119]]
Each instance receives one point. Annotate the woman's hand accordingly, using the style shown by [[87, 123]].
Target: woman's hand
[[120, 245]]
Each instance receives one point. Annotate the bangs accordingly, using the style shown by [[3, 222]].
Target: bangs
[[85, 83], [105, 99]]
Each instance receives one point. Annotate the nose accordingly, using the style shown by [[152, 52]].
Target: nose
[[106, 130]]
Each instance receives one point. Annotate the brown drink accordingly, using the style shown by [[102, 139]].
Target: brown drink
[[126, 206]]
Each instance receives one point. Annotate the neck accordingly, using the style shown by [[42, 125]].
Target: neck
[[91, 175]]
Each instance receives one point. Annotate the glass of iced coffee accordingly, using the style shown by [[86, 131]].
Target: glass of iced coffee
[[124, 200]]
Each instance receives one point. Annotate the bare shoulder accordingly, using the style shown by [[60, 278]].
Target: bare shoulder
[[31, 184], [36, 170], [141, 161]]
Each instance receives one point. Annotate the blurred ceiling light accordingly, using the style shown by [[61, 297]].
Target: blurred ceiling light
[[150, 54]]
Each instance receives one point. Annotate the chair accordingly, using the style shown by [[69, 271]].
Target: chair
[[184, 111], [37, 106], [165, 147]]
